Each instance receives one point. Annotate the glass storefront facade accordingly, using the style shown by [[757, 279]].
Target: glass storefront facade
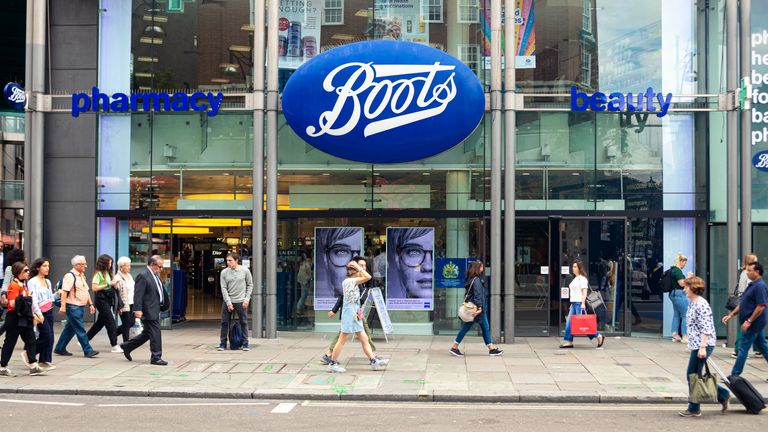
[[622, 192]]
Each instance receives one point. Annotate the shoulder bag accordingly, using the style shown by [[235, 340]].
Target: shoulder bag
[[594, 298], [467, 309], [733, 299]]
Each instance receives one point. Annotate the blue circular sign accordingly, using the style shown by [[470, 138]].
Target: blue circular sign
[[14, 96], [383, 101], [760, 160]]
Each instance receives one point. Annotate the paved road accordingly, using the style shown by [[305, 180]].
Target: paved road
[[86, 413]]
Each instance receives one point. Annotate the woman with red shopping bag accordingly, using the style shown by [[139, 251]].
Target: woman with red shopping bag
[[578, 322]]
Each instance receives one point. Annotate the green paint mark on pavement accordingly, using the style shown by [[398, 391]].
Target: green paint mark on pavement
[[341, 389], [269, 367], [418, 382]]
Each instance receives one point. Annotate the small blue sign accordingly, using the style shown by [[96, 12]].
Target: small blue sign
[[760, 161], [14, 96], [383, 101], [450, 272]]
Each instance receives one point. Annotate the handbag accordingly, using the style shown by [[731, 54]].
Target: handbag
[[468, 309], [135, 329], [702, 387], [594, 299], [583, 324], [733, 299]]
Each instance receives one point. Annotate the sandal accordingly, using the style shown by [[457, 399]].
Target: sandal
[[600, 341]]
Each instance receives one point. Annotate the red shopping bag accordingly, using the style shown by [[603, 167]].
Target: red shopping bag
[[583, 324]]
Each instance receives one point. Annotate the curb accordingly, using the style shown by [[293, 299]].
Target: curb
[[588, 398]]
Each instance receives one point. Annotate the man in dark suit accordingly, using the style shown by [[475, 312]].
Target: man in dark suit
[[149, 299]]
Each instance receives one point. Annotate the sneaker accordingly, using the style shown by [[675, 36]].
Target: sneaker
[[117, 349], [63, 353], [725, 404], [222, 347], [495, 352], [47, 366], [676, 337], [456, 352], [687, 413], [326, 360], [378, 364], [91, 354], [734, 355], [4, 371], [758, 354], [684, 340], [245, 347], [25, 358], [35, 369], [335, 367]]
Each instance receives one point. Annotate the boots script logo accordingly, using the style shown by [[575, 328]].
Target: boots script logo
[[383, 101], [760, 160]]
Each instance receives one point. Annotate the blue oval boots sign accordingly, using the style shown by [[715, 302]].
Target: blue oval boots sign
[[383, 101], [760, 160]]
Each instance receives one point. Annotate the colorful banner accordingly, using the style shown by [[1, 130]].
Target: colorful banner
[[334, 249], [450, 272], [299, 32], [410, 268], [526, 33]]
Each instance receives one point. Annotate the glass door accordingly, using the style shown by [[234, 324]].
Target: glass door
[[532, 287], [600, 244]]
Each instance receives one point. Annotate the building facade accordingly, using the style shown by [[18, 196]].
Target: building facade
[[622, 192]]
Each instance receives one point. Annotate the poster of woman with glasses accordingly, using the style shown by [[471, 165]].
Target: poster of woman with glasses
[[334, 248], [410, 255]]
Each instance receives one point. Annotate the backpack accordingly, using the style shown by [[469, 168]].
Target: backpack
[[236, 337], [667, 284], [59, 284]]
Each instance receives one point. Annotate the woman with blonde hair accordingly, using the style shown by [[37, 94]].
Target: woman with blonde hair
[[678, 298], [125, 284], [702, 339]]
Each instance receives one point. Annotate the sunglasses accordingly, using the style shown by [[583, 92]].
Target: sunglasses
[[25, 270]]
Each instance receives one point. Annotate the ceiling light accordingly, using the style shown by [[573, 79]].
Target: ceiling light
[[146, 59], [151, 40], [248, 27], [326, 174], [154, 30], [156, 18], [240, 48], [143, 74], [526, 174], [220, 80], [425, 173]]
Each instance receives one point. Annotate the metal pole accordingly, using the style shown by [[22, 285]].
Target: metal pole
[[496, 177], [257, 214], [272, 81], [732, 176], [510, 153], [745, 49], [27, 223], [34, 243]]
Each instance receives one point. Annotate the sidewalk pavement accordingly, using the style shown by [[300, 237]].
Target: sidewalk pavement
[[627, 370]]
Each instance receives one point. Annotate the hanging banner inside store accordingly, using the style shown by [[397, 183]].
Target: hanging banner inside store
[[383, 101], [334, 248], [399, 20], [14, 96], [298, 39], [525, 26], [450, 272], [410, 268]]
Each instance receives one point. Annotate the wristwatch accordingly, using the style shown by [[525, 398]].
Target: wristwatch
[[749, 320]]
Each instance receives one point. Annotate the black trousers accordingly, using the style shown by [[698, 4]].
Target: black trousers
[[12, 333], [105, 319], [127, 319], [45, 339], [150, 333], [225, 316]]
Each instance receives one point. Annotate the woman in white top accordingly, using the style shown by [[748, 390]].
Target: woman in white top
[[40, 287], [125, 284], [578, 289]]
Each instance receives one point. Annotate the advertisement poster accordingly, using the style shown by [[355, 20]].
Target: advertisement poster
[[450, 272], [410, 268], [299, 32], [526, 33], [334, 249], [399, 20]]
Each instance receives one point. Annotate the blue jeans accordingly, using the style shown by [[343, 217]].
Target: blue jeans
[[695, 365], [753, 335], [74, 327], [481, 319], [679, 308], [574, 310]]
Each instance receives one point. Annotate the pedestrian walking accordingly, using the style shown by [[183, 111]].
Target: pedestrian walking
[[14, 255], [678, 298], [236, 288], [476, 293], [22, 313], [740, 288], [751, 317], [125, 288], [106, 299], [149, 300], [364, 291], [74, 299], [701, 340], [578, 296], [304, 279], [39, 287], [352, 319]]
